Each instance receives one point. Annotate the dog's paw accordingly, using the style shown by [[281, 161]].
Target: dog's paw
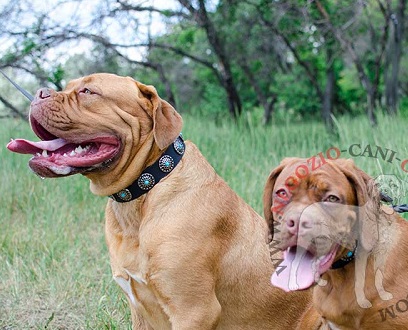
[[293, 286], [384, 295], [364, 303]]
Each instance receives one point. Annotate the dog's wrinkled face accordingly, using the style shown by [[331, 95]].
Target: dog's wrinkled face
[[313, 214], [95, 126]]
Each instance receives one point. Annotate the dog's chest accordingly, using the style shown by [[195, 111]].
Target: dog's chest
[[132, 276], [130, 266], [126, 285]]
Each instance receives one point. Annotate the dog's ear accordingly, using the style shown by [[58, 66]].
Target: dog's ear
[[268, 192], [368, 200], [167, 123]]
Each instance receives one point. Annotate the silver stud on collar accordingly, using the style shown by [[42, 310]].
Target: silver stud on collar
[[146, 181], [125, 195], [179, 146], [166, 163]]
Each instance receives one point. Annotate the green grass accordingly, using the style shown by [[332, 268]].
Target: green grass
[[54, 265]]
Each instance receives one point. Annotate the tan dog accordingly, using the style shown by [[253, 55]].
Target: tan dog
[[336, 236], [189, 253]]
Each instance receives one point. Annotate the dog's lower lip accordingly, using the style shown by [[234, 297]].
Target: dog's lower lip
[[325, 258], [108, 162]]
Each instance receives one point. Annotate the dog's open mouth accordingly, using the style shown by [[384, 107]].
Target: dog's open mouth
[[56, 157], [301, 268]]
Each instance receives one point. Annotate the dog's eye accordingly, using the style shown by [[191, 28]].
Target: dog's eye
[[86, 91], [281, 193], [332, 199]]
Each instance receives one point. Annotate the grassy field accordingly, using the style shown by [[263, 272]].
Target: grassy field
[[54, 267]]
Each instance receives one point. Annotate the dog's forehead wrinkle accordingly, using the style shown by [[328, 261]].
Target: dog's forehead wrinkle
[[317, 182], [95, 82], [322, 175]]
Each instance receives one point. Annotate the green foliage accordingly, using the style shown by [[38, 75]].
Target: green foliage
[[28, 45], [57, 75], [8, 57], [276, 49], [404, 107], [186, 37], [350, 90], [296, 97]]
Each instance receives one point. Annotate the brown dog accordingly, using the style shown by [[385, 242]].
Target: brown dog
[[336, 236], [188, 253]]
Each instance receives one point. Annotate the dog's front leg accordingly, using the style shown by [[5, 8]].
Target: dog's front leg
[[195, 313], [187, 296], [138, 323], [360, 274], [198, 319], [379, 269]]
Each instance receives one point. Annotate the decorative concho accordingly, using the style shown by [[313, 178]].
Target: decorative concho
[[146, 181], [349, 256], [125, 195], [179, 146], [166, 163]]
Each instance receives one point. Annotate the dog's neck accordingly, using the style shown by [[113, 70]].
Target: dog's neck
[[153, 173], [346, 259]]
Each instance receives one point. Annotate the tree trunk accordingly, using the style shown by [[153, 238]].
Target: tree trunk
[[169, 92], [268, 105], [328, 99], [304, 64], [201, 17], [371, 102], [268, 110], [13, 110], [328, 96], [347, 45], [394, 52]]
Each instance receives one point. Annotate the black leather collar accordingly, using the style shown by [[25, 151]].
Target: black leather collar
[[153, 174], [343, 261]]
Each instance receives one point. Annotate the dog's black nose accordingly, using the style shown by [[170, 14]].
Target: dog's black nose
[[43, 93]]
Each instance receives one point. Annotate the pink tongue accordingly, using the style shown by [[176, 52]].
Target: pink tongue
[[294, 272], [28, 147]]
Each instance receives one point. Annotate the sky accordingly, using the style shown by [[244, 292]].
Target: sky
[[80, 12]]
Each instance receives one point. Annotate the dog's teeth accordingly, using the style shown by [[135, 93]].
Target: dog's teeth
[[65, 155], [78, 149], [72, 153], [38, 154], [107, 162], [44, 153]]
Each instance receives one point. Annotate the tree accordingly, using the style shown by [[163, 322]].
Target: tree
[[201, 16], [289, 57], [393, 57], [347, 44]]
